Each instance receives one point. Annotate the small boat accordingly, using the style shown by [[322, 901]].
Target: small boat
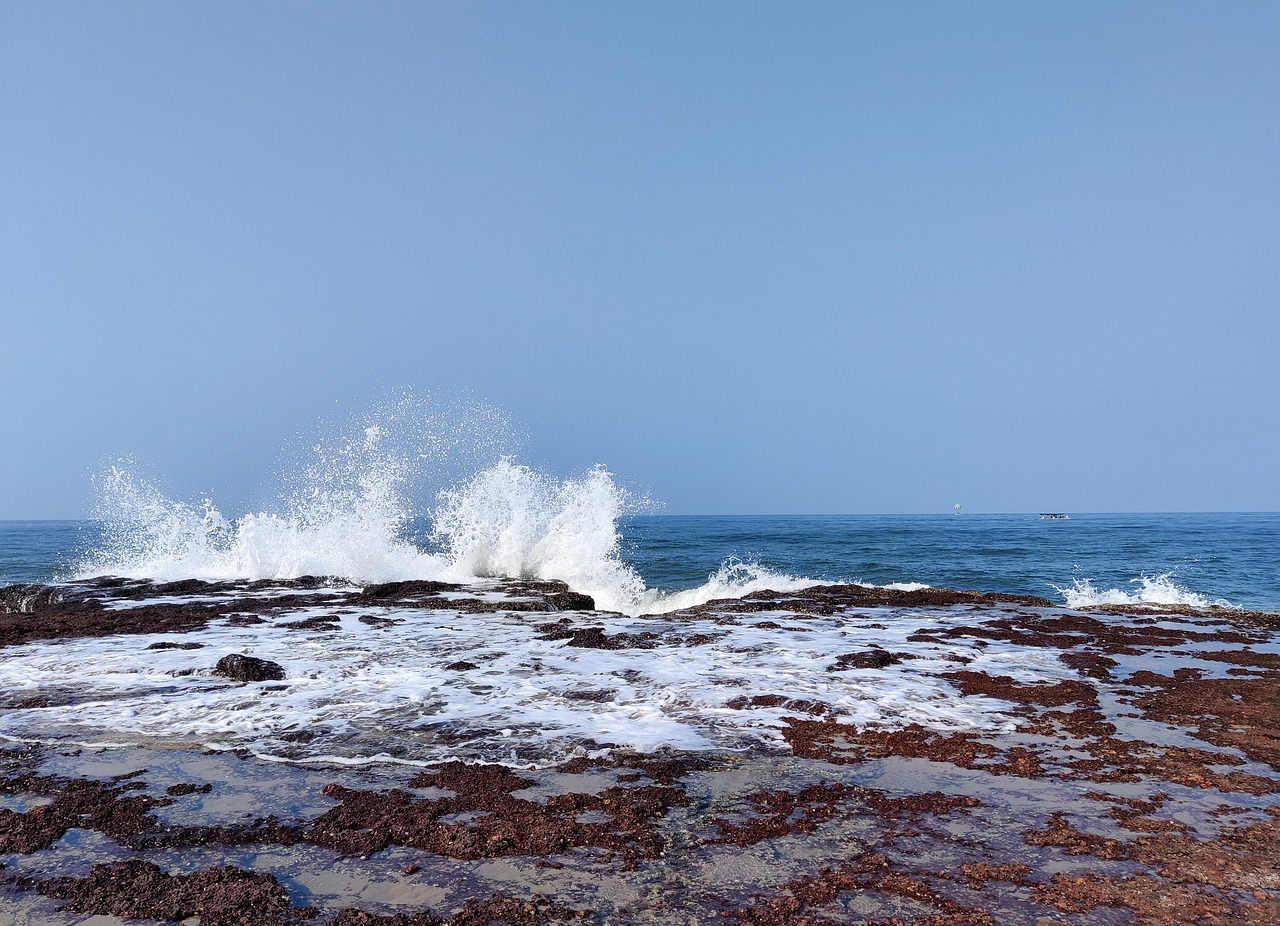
[[1054, 516]]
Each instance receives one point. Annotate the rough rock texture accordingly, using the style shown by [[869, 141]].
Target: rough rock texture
[[249, 668], [1141, 785], [365, 822], [39, 612], [110, 807], [220, 896]]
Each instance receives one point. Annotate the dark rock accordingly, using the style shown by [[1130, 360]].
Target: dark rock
[[104, 806], [866, 659], [503, 825], [113, 582], [249, 668], [596, 695], [830, 599], [304, 582], [320, 622], [166, 645], [572, 601], [220, 896], [595, 637], [742, 701], [53, 617], [395, 591], [1094, 665], [556, 630], [800, 705], [461, 666], [184, 587], [180, 790], [374, 621]]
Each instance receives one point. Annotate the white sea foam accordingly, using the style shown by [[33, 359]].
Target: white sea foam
[[1148, 590], [347, 504], [397, 689]]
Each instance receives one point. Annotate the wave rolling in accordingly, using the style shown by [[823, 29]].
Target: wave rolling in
[[1147, 590]]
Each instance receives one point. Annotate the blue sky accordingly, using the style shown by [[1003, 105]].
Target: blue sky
[[755, 257]]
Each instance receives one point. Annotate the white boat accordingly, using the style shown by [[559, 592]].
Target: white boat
[[1054, 516]]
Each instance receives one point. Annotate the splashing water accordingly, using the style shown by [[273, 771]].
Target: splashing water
[[1151, 590], [348, 531], [509, 520], [342, 510], [345, 510], [734, 578]]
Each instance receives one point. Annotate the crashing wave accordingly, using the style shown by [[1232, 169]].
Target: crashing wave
[[347, 508], [1150, 590]]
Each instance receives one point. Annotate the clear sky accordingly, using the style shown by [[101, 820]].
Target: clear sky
[[755, 257]]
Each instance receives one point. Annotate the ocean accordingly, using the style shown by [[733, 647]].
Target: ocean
[[1198, 559]]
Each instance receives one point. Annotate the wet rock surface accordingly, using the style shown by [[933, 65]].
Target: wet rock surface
[[110, 807], [38, 612], [1141, 785], [219, 896], [866, 659], [249, 669]]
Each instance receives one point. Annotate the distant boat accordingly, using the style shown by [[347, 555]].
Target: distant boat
[[1054, 516]]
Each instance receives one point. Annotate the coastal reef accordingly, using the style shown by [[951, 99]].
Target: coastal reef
[[421, 753]]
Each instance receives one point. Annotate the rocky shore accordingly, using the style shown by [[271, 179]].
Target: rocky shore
[[1141, 786]]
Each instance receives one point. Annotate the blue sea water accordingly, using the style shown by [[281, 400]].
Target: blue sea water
[[1091, 558], [42, 551], [1234, 557]]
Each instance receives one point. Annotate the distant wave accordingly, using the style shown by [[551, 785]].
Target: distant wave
[[899, 586], [350, 499], [1153, 590]]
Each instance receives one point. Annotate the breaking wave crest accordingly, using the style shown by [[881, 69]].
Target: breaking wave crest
[[347, 509], [1148, 590], [511, 521]]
